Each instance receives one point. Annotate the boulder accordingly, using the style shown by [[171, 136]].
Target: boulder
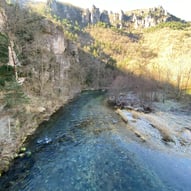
[[186, 136], [41, 109]]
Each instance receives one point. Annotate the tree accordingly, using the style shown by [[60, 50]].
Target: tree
[[14, 94]]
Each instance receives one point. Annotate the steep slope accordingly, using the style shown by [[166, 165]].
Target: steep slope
[[159, 53], [49, 69], [172, 63]]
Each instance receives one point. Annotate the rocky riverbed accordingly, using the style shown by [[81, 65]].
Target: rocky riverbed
[[167, 127]]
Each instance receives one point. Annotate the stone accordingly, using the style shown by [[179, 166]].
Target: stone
[[21, 155], [41, 109], [95, 15], [186, 136], [104, 17], [86, 17]]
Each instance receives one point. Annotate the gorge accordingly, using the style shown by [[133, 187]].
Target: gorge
[[49, 54]]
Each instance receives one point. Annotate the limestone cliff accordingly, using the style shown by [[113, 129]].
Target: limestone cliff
[[137, 18], [141, 18]]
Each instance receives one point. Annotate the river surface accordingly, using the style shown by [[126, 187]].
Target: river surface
[[87, 147]]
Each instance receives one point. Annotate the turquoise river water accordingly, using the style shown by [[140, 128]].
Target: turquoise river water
[[86, 147]]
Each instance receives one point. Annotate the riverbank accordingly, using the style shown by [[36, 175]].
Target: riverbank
[[86, 146], [18, 123], [168, 127]]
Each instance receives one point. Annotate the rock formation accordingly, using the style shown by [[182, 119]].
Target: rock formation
[[64, 53], [95, 15], [138, 18], [104, 17], [86, 17]]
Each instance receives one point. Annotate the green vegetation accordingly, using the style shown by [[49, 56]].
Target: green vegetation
[[13, 92], [102, 24], [4, 48], [6, 75], [14, 95], [71, 30], [175, 25]]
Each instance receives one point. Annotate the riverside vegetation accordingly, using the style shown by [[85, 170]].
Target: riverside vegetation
[[58, 58]]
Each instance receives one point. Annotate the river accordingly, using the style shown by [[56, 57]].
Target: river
[[86, 147]]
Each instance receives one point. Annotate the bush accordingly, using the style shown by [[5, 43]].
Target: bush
[[3, 49], [175, 25], [14, 95], [6, 75]]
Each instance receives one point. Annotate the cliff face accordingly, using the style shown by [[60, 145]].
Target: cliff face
[[65, 12], [59, 55], [137, 19]]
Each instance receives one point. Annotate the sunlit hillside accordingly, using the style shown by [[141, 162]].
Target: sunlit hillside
[[173, 49], [160, 52]]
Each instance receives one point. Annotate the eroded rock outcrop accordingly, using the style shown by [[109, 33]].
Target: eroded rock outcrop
[[63, 54], [142, 18], [95, 15], [137, 19], [104, 17]]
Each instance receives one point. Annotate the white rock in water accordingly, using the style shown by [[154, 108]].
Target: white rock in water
[[45, 140], [186, 135]]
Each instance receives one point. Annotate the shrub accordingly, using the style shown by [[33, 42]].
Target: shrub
[[3, 48], [175, 25], [14, 95], [6, 75]]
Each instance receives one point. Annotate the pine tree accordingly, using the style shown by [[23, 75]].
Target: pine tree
[[14, 95]]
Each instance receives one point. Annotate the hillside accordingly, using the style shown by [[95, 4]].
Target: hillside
[[161, 53]]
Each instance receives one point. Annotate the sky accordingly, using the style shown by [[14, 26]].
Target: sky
[[179, 8]]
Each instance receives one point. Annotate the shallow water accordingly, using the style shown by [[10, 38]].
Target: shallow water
[[87, 147]]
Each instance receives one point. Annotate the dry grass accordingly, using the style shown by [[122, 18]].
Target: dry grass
[[166, 133], [173, 48], [163, 54]]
